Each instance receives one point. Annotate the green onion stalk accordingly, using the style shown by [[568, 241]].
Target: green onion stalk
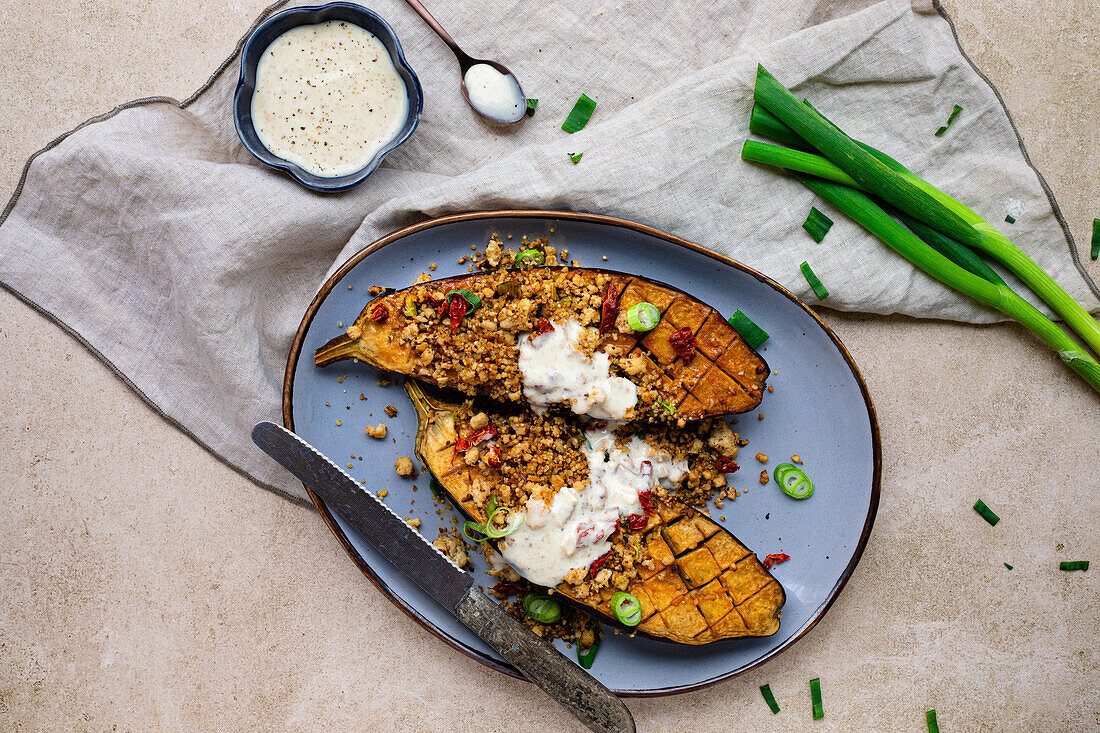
[[872, 217], [877, 173]]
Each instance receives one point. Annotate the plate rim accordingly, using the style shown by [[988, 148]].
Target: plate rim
[[607, 220]]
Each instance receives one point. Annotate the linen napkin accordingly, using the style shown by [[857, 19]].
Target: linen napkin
[[151, 235]]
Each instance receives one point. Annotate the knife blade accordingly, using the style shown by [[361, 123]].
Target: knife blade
[[439, 577]]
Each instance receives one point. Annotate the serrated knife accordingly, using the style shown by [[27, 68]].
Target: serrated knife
[[408, 551]]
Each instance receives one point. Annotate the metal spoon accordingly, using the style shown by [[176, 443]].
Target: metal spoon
[[506, 115]]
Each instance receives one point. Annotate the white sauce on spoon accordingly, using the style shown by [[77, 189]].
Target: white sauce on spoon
[[554, 370], [328, 97], [494, 94], [575, 530]]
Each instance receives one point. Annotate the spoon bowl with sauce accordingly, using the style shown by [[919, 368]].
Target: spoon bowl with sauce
[[488, 86], [325, 94]]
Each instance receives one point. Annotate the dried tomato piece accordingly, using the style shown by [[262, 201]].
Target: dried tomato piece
[[543, 326], [489, 431], [507, 587], [775, 558], [726, 465], [379, 313], [457, 311], [637, 522], [645, 498], [683, 343], [598, 562], [610, 309]]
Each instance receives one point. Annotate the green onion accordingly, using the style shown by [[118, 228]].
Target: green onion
[[794, 481], [815, 698], [811, 278], [864, 211], [1010, 218], [588, 655], [579, 115], [769, 698], [513, 522], [435, 487], [541, 607], [1008, 566], [762, 122], [478, 528], [962, 256], [530, 258], [587, 442], [986, 512], [473, 301], [954, 113], [627, 608], [1074, 565], [531, 104], [643, 316], [887, 178], [667, 406], [817, 224], [410, 310], [933, 724], [576, 157], [1095, 239], [754, 335]]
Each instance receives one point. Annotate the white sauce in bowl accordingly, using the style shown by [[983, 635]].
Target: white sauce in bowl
[[575, 530], [554, 370], [494, 94], [328, 97]]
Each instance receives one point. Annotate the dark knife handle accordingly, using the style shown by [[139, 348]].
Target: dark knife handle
[[576, 690]]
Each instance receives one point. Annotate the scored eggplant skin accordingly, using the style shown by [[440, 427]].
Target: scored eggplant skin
[[705, 585], [724, 376]]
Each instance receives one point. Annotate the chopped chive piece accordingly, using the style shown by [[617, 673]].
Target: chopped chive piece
[[811, 278], [1074, 565], [1008, 566], [667, 406], [986, 512], [817, 224], [576, 157], [933, 724], [579, 115], [531, 103], [754, 335], [769, 698], [954, 114], [1010, 218], [815, 698], [1095, 239]]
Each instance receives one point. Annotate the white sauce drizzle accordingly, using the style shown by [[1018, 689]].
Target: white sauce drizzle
[[328, 97], [554, 370], [575, 530], [494, 94]]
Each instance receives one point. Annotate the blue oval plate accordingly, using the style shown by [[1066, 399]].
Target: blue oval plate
[[820, 409]]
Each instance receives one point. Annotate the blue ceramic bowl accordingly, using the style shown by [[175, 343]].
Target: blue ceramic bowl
[[274, 27]]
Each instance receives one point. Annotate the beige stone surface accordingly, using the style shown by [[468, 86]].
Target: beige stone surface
[[144, 585]]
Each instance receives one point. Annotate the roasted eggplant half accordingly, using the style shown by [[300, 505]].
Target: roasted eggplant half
[[603, 344], [695, 582]]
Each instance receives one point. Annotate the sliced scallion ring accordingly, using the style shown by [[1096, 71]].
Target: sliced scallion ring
[[530, 258], [473, 301], [410, 310], [643, 316], [794, 481], [588, 655], [627, 608], [477, 528], [541, 607], [512, 522]]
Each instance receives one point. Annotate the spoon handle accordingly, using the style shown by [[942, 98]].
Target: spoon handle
[[416, 5]]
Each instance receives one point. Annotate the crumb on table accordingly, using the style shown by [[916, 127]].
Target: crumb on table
[[378, 432], [763, 477]]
